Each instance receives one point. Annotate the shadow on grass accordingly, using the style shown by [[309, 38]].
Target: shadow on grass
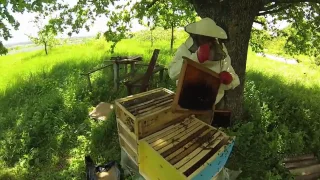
[[45, 130], [281, 120]]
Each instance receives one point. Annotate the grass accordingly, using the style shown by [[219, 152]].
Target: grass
[[45, 131]]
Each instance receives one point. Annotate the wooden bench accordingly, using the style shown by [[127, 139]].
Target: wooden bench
[[305, 167], [135, 80]]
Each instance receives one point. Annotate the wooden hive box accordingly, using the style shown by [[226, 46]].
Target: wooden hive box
[[142, 114], [190, 149], [197, 89]]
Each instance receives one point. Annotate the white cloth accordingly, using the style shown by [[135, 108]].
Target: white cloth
[[216, 66]]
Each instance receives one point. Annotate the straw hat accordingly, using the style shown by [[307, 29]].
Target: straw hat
[[206, 27]]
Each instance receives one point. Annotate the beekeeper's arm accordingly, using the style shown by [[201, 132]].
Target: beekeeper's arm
[[175, 66], [228, 67]]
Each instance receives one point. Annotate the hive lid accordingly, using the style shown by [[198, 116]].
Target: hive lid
[[197, 89]]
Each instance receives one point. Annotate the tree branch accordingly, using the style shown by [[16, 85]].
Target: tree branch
[[275, 10], [259, 22], [151, 4], [267, 8], [294, 1]]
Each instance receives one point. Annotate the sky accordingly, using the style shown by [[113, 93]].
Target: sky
[[26, 27]]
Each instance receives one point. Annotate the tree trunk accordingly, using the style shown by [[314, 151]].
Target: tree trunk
[[172, 36], [236, 18], [46, 48]]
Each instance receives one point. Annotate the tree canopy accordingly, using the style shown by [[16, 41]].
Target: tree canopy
[[236, 17], [303, 14]]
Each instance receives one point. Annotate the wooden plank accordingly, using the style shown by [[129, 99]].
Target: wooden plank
[[137, 96], [186, 123], [297, 164], [153, 136], [144, 98], [127, 135], [176, 136], [192, 157], [150, 102], [130, 157], [149, 110], [96, 69], [193, 145], [300, 158], [128, 148], [179, 87], [173, 133], [152, 124], [306, 170], [215, 144], [313, 176], [127, 118], [156, 111], [151, 66], [170, 148], [116, 75], [122, 109]]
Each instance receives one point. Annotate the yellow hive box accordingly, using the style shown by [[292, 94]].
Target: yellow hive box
[[189, 149]]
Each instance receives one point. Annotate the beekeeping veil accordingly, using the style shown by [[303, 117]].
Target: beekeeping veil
[[208, 28]]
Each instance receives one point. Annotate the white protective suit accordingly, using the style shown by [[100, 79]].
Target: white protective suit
[[203, 27], [207, 27]]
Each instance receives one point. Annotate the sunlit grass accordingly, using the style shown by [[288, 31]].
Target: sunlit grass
[[45, 130]]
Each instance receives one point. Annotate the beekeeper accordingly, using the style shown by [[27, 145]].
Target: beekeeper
[[205, 47]]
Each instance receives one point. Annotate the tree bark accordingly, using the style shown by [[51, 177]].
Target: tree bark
[[236, 18], [172, 36], [46, 48]]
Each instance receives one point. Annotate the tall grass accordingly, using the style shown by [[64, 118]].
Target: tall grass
[[45, 130]]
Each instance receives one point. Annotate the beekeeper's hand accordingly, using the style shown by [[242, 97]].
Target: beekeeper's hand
[[225, 77], [205, 52]]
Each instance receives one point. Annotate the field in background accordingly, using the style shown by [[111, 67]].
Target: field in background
[[45, 131]]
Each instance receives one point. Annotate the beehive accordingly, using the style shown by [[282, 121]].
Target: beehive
[[142, 114], [190, 149]]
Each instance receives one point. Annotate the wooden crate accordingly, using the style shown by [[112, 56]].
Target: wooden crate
[[197, 86], [143, 114], [148, 112], [189, 149]]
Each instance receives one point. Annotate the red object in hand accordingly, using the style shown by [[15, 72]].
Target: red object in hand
[[225, 77], [203, 53]]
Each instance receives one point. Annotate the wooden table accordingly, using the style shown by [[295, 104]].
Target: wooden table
[[121, 60]]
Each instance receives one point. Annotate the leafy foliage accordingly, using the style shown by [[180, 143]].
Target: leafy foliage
[[166, 14], [302, 35], [302, 38], [259, 39], [7, 19], [3, 50], [46, 36]]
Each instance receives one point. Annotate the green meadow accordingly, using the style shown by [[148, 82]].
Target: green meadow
[[45, 131]]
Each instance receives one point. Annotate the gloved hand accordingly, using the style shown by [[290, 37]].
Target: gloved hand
[[204, 53], [225, 77]]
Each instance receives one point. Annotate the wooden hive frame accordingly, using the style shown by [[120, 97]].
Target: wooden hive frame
[[190, 149], [192, 73]]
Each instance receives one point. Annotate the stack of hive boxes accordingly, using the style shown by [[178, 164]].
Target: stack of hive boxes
[[167, 144]]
